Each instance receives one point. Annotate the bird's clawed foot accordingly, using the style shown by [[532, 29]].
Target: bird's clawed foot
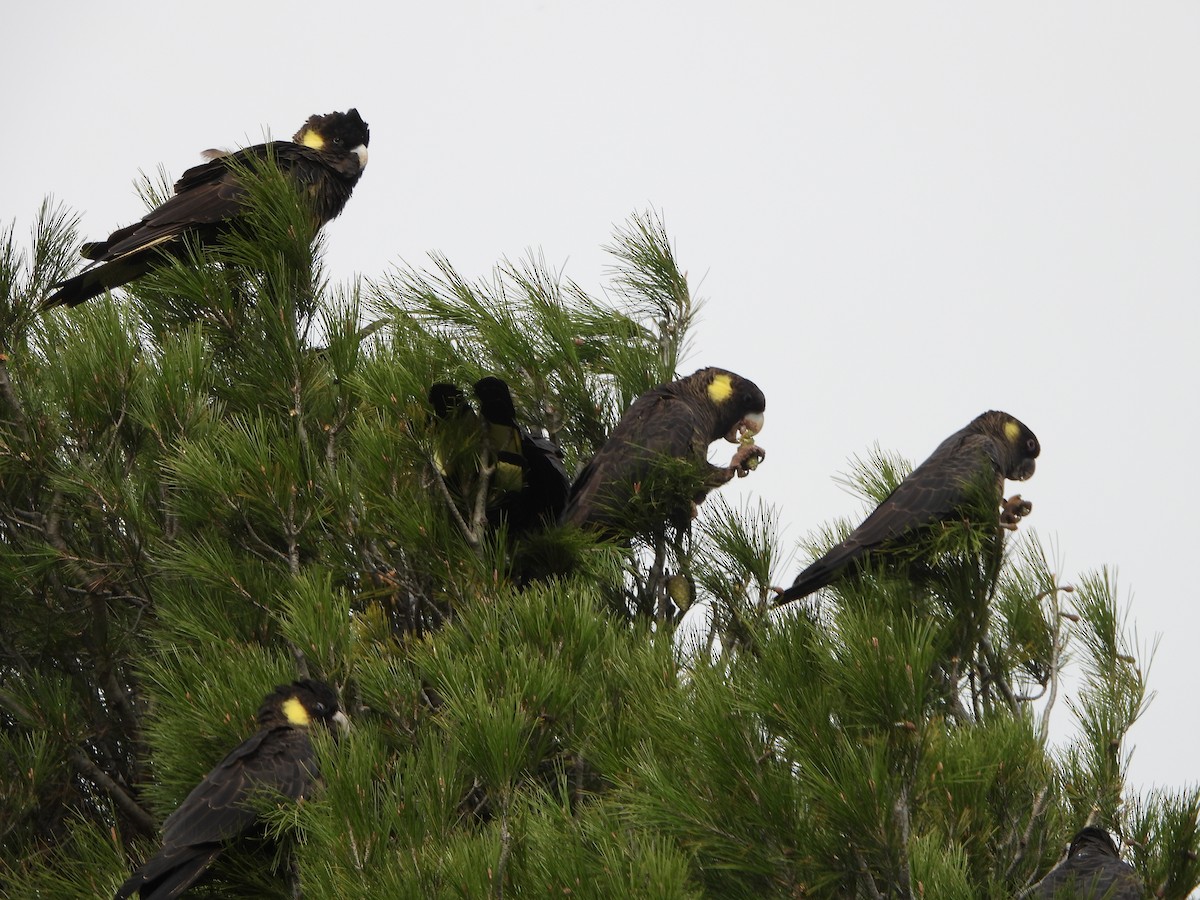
[[1013, 510], [746, 460]]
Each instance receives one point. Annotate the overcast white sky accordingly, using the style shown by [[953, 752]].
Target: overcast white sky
[[900, 214]]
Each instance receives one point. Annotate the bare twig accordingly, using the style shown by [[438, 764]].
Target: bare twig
[[292, 532], [487, 467], [466, 529], [993, 673], [649, 601], [1056, 650], [865, 877], [1039, 806]]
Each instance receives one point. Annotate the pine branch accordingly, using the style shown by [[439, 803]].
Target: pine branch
[[487, 468], [1057, 647], [89, 770], [467, 531], [1015, 859], [650, 602], [994, 675], [866, 880], [505, 849]]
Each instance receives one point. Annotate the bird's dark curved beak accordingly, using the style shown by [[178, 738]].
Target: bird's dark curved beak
[[1023, 471]]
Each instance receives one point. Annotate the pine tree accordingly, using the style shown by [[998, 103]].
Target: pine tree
[[232, 476]]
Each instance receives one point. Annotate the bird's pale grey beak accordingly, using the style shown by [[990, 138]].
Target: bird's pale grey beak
[[749, 426]]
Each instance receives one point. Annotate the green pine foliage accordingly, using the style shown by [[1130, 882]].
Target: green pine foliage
[[231, 476]]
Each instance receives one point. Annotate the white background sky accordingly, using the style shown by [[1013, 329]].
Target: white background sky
[[900, 214]]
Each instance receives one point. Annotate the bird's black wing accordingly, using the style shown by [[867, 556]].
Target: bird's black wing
[[548, 480], [531, 477], [660, 423], [931, 493], [1101, 880], [205, 195], [324, 166], [278, 760]]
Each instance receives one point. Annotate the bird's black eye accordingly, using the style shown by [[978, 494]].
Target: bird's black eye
[[1031, 445], [319, 709]]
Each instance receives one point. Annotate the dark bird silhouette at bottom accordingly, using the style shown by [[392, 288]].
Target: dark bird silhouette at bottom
[[278, 758], [1092, 870]]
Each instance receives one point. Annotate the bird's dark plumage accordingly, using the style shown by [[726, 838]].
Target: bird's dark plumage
[[1092, 870], [324, 160], [673, 421], [277, 758], [530, 483], [533, 464], [993, 447]]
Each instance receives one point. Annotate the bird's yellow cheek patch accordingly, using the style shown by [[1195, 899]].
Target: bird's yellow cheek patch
[[720, 389], [311, 139], [295, 712], [1012, 431]]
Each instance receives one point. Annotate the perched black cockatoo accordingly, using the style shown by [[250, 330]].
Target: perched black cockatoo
[[675, 421], [533, 482], [324, 160], [993, 447], [278, 758], [530, 483]]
